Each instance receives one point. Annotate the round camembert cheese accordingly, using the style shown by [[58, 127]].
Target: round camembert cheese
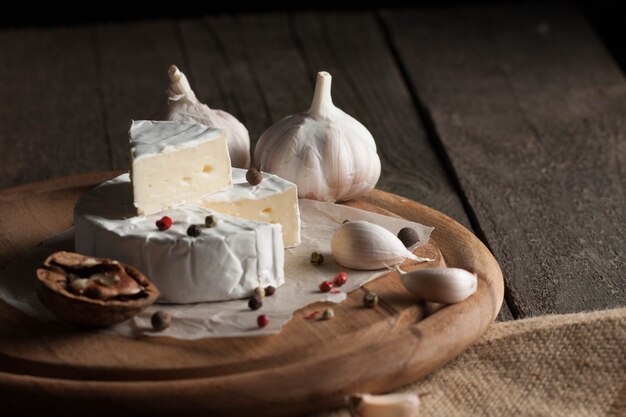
[[224, 262]]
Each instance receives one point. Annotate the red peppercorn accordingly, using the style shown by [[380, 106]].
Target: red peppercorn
[[262, 320], [326, 286], [340, 279], [164, 224]]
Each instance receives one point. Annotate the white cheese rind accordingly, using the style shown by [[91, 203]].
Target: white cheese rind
[[274, 200], [225, 262], [174, 162]]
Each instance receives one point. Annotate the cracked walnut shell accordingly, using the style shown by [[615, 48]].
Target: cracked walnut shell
[[93, 291]]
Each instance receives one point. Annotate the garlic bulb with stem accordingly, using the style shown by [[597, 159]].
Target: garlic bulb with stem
[[184, 106], [439, 285], [368, 246], [389, 405], [328, 154]]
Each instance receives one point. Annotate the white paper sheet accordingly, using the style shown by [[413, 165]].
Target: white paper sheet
[[227, 318]]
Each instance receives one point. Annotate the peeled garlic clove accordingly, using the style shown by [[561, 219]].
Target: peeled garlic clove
[[328, 154], [367, 246], [440, 285], [184, 106], [391, 405]]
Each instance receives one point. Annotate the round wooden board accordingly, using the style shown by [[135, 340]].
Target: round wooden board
[[310, 366]]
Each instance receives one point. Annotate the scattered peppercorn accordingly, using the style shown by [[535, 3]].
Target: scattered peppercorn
[[262, 320], [408, 236], [317, 258], [270, 290], [210, 221], [370, 300], [255, 303], [259, 292], [340, 279], [254, 176], [160, 320], [326, 286], [194, 230], [164, 223], [328, 314]]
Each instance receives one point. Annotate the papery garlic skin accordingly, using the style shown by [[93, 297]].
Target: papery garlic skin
[[327, 153], [184, 106], [367, 246], [390, 405], [440, 285]]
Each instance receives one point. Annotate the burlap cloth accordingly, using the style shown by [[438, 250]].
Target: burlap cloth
[[561, 365]]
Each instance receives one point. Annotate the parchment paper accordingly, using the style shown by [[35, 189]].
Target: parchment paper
[[227, 318]]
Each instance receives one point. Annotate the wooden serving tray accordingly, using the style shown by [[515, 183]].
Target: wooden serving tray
[[310, 366]]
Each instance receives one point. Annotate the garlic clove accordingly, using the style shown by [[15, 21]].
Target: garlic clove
[[368, 246], [390, 405], [440, 285], [328, 154], [184, 106]]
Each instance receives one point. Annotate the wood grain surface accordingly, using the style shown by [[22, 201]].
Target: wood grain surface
[[50, 114], [531, 111], [308, 367], [133, 58]]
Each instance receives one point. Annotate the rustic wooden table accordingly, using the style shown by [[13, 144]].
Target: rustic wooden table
[[512, 120]]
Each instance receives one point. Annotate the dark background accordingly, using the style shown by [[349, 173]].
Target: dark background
[[607, 17]]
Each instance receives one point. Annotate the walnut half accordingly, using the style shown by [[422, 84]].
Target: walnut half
[[93, 291]]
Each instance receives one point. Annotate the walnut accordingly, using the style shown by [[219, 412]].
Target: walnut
[[93, 291]]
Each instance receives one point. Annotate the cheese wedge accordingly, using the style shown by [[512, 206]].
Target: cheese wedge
[[274, 200], [174, 162]]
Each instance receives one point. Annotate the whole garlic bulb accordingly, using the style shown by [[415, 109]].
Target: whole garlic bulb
[[367, 246], [183, 106], [328, 154], [440, 285]]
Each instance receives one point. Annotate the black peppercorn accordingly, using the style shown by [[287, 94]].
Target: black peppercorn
[[194, 230], [255, 303], [270, 290], [160, 320], [254, 176], [408, 236]]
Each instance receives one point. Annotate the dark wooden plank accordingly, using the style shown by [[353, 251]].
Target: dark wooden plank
[[51, 119], [249, 66], [505, 313], [133, 60], [531, 111]]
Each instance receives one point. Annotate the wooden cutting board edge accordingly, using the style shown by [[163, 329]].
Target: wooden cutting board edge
[[405, 356]]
